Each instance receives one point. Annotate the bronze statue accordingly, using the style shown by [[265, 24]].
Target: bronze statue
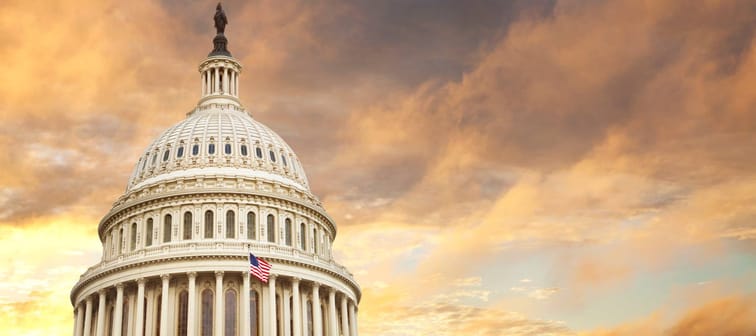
[[220, 19]]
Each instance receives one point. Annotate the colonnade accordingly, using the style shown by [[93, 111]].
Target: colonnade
[[220, 80], [286, 306]]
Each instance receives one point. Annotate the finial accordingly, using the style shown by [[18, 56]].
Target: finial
[[220, 41], [220, 19]]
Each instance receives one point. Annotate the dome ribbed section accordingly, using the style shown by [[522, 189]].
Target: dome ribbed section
[[215, 142]]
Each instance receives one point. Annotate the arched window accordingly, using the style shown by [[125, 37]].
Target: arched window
[[310, 319], [208, 224], [167, 225], [133, 236], [118, 243], [227, 148], [303, 236], [287, 229], [125, 317], [230, 224], [251, 227], [187, 225], [148, 241], [159, 304], [315, 240], [183, 309], [207, 313], [109, 329], [254, 313], [230, 310], [271, 229]]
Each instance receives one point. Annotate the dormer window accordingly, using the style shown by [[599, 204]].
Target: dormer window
[[195, 149], [180, 152], [272, 156], [227, 149], [211, 149], [165, 154], [258, 152], [244, 150]]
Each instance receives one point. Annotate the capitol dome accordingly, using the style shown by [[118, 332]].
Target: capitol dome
[[207, 195]]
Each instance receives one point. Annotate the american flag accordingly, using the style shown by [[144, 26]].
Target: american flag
[[259, 268]]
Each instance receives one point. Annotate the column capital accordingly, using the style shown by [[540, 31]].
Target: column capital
[[119, 285], [140, 281], [102, 291], [331, 291], [89, 299], [295, 280], [272, 276], [165, 277], [218, 274], [191, 275], [315, 284]]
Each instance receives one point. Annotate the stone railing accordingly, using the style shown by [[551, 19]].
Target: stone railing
[[217, 248]]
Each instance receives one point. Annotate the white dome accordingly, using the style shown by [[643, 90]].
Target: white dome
[[219, 141]]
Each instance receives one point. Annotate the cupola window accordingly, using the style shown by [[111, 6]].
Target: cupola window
[[180, 152], [227, 149], [211, 149], [165, 155], [272, 156], [244, 150], [258, 152], [283, 160], [195, 149]]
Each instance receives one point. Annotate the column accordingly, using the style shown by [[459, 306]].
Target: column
[[236, 84], [226, 81], [333, 328], [118, 311], [101, 313], [217, 79], [164, 304], [317, 319], [352, 319], [296, 310], [233, 83], [218, 324], [344, 323], [304, 320], [78, 327], [245, 304], [286, 316], [139, 307], [88, 318], [191, 313], [272, 296], [207, 82]]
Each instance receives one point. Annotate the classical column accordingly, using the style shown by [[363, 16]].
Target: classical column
[[88, 318], [233, 83], [286, 316], [139, 307], [245, 304], [304, 316], [272, 296], [164, 304], [352, 319], [344, 323], [218, 303], [333, 328], [217, 82], [317, 319], [100, 330], [296, 301], [192, 309], [78, 327], [236, 85], [226, 82], [118, 311]]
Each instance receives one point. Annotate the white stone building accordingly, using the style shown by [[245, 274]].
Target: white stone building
[[207, 192]]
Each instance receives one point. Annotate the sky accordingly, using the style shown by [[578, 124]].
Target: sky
[[493, 167]]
